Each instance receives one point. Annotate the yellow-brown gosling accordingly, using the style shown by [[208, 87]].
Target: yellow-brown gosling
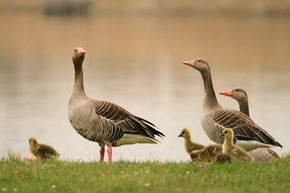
[[189, 145], [207, 153], [229, 147], [41, 151]]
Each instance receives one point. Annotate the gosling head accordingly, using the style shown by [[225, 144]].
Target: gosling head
[[184, 133], [228, 133], [32, 141]]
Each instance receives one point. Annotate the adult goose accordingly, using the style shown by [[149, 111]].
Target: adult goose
[[240, 95], [104, 122], [215, 118]]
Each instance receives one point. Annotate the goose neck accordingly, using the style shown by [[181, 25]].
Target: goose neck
[[244, 107], [78, 88], [226, 145], [210, 100]]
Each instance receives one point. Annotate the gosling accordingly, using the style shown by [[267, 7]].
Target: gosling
[[207, 153], [42, 151], [189, 145], [228, 147]]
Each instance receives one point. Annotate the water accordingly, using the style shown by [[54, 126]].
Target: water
[[136, 62]]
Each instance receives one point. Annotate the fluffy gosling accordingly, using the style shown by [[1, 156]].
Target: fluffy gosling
[[189, 145], [207, 153], [229, 147], [41, 151]]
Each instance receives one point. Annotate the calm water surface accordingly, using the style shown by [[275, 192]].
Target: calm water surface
[[137, 63]]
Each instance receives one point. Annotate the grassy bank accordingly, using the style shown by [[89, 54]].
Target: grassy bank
[[17, 175]]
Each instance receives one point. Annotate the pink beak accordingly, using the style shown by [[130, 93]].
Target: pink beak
[[81, 52], [189, 63], [226, 93]]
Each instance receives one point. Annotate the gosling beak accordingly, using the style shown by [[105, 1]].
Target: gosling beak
[[180, 135], [189, 63], [222, 134]]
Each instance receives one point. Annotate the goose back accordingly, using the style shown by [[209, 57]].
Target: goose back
[[102, 121], [243, 126]]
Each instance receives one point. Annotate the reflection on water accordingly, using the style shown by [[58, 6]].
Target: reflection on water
[[137, 63]]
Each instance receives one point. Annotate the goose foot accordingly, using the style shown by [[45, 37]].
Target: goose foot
[[30, 159]]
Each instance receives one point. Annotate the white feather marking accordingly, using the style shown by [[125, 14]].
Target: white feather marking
[[128, 139], [249, 145]]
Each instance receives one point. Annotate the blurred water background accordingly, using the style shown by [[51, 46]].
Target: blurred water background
[[135, 51]]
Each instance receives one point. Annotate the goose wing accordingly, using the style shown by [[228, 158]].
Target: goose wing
[[124, 120], [244, 127]]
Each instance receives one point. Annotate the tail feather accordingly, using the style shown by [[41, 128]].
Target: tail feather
[[150, 127]]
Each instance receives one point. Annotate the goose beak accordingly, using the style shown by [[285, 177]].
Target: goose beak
[[189, 63], [81, 52], [180, 135], [222, 134], [226, 93]]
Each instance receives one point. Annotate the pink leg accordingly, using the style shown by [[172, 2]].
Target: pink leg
[[102, 154], [109, 150]]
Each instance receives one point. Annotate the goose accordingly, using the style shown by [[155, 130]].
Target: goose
[[104, 122], [248, 135], [230, 148], [41, 151], [207, 153], [240, 95], [189, 145]]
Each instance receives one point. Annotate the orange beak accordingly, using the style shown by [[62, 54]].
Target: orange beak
[[226, 93], [189, 63], [81, 52]]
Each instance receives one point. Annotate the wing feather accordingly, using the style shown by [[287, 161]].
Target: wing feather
[[242, 125], [124, 120]]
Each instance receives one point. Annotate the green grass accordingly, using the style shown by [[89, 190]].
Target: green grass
[[17, 175]]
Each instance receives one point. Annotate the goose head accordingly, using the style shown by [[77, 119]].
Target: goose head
[[228, 133], [78, 55], [184, 133], [32, 141], [236, 93], [198, 64]]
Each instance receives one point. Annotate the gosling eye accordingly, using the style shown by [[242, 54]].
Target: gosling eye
[[182, 132], [226, 131], [75, 50]]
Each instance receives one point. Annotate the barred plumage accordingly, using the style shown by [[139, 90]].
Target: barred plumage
[[105, 122], [243, 126]]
